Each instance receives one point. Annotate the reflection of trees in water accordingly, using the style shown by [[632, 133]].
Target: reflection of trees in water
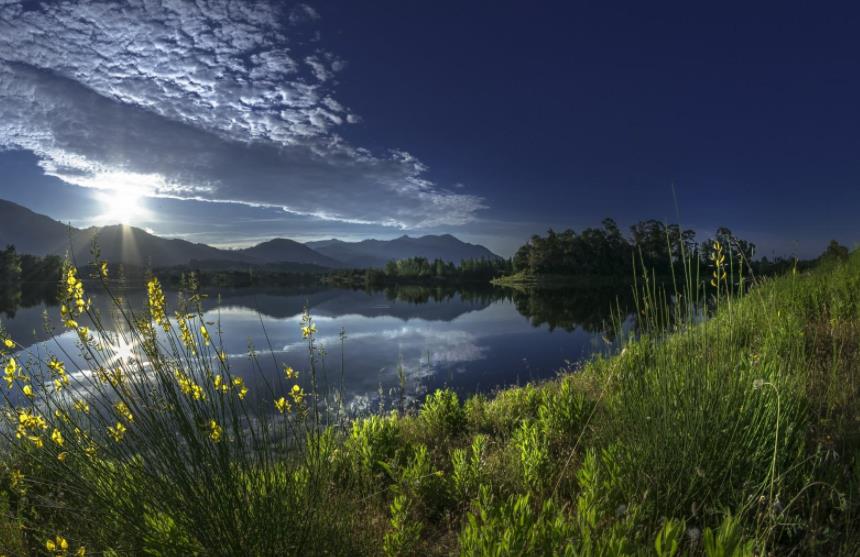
[[568, 309], [424, 294], [27, 280]]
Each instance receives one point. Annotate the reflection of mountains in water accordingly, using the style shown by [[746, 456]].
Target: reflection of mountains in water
[[330, 302]]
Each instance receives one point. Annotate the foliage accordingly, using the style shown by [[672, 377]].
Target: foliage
[[725, 426]]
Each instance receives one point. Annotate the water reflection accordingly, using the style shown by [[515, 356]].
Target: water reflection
[[475, 340]]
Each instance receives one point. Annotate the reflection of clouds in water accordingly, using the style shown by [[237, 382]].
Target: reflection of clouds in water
[[473, 350]]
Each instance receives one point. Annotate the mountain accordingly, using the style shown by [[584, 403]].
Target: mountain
[[38, 234], [376, 253], [281, 249]]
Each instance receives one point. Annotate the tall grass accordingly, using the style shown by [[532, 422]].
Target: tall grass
[[725, 426]]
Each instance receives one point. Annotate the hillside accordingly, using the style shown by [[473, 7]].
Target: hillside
[[38, 234], [376, 253]]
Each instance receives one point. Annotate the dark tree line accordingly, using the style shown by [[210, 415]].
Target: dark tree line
[[420, 270], [607, 252]]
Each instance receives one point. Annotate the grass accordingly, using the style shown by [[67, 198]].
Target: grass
[[735, 435]]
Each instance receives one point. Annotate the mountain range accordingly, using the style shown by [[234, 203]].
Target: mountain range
[[38, 234]]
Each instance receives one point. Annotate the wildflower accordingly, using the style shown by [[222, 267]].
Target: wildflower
[[9, 343], [290, 373], [10, 372], [58, 546], [57, 437], [62, 456], [219, 383], [297, 393], [74, 303], [82, 406], [117, 432], [189, 387], [84, 334], [185, 333], [103, 270], [309, 330], [282, 405], [205, 334], [239, 384], [123, 411], [28, 391], [157, 304], [215, 431]]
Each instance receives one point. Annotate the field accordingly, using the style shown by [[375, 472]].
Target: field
[[730, 435]]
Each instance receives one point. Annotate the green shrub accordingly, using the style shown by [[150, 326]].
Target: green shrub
[[441, 416], [469, 468], [516, 527], [374, 440], [404, 535]]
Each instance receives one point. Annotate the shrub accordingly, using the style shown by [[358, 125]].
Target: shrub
[[441, 416]]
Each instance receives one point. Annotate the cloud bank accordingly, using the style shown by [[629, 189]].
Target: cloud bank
[[218, 100]]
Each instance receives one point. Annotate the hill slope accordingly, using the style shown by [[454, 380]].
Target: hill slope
[[376, 253]]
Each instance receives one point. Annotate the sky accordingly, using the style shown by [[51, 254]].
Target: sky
[[231, 122]]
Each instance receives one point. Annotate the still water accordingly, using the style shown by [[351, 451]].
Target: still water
[[470, 341]]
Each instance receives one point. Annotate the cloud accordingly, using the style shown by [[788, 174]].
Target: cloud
[[219, 100]]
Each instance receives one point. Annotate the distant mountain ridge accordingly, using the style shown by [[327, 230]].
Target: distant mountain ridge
[[376, 253], [37, 234]]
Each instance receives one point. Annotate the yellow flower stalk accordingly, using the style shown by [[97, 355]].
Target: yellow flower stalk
[[117, 432], [282, 405], [157, 304]]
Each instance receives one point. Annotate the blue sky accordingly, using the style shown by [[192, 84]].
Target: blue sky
[[233, 122]]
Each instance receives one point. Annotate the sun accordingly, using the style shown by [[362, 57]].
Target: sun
[[121, 206]]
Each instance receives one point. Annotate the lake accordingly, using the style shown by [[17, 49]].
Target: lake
[[468, 340]]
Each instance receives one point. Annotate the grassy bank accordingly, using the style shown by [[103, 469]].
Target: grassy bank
[[732, 436]]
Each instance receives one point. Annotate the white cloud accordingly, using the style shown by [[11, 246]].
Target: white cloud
[[217, 100]]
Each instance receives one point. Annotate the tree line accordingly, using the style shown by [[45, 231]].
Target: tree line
[[607, 252], [420, 270]]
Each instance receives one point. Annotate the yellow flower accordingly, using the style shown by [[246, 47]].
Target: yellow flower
[[57, 437], [219, 383], [124, 411], [308, 330], [57, 367], [189, 387], [103, 270], [11, 372], [185, 333], [239, 384], [9, 343], [297, 393], [62, 456], [28, 391], [290, 373], [57, 546], [215, 431], [157, 304], [117, 432], [81, 552], [205, 334], [282, 405]]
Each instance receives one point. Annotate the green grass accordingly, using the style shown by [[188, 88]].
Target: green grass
[[735, 435]]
